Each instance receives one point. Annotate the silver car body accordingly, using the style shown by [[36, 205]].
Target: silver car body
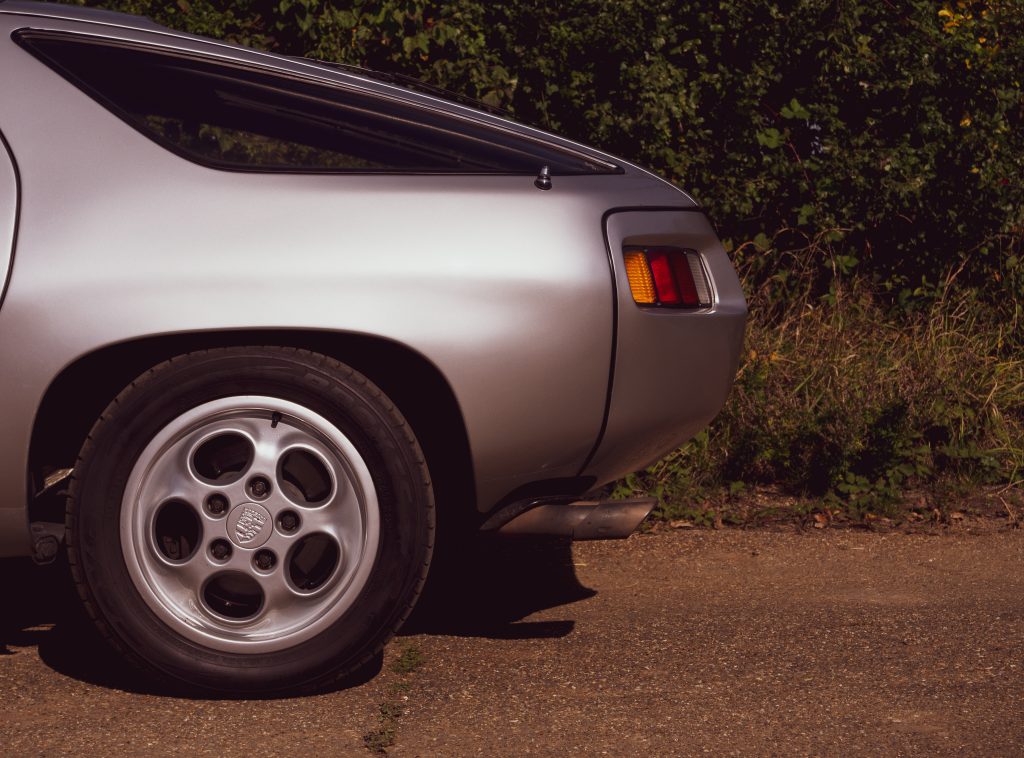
[[517, 296]]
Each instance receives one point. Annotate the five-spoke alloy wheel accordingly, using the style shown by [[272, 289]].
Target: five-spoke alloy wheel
[[250, 519]]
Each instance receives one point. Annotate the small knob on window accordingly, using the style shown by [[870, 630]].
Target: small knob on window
[[543, 180]]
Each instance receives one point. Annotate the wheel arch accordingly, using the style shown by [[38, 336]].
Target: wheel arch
[[78, 394]]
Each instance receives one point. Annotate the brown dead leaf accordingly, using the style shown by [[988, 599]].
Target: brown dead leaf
[[820, 520], [681, 524]]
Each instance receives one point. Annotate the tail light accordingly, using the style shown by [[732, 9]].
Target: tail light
[[666, 276]]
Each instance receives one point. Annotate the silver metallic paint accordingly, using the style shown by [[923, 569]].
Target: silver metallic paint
[[507, 290]]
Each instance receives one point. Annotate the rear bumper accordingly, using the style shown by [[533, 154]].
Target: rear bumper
[[672, 369]]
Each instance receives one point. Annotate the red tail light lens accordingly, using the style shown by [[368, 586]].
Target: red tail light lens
[[677, 275], [665, 285]]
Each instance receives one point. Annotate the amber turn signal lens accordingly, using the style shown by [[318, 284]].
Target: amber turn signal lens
[[640, 281]]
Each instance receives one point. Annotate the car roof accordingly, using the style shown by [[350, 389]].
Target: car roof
[[142, 23], [381, 82], [79, 13], [344, 75]]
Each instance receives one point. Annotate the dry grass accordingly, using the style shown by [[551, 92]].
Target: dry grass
[[846, 403]]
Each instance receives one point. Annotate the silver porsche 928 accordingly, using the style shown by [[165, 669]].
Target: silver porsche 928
[[268, 324]]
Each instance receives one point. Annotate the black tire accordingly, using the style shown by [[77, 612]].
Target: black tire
[[355, 407]]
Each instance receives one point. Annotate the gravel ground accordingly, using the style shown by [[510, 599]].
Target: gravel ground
[[676, 643]]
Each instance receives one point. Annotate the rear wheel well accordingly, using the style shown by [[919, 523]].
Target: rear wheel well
[[78, 395]]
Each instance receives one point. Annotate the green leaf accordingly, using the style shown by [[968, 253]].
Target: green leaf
[[771, 137], [795, 111]]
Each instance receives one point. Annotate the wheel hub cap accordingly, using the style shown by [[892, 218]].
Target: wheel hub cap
[[250, 525]]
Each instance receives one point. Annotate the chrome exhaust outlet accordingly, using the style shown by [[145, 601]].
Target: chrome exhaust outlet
[[579, 520]]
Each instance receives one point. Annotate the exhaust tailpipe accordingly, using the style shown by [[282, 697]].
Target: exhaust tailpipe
[[580, 520]]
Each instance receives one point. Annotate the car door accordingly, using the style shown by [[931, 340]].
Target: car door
[[8, 213]]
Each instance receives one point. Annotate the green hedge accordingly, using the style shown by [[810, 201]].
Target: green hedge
[[886, 135]]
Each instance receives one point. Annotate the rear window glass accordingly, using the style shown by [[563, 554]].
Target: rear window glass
[[243, 118]]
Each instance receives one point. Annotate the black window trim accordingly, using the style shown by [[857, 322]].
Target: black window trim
[[28, 33]]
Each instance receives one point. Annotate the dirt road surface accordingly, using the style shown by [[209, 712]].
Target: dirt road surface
[[678, 643]]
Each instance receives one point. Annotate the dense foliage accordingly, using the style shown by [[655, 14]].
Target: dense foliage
[[863, 160], [890, 133]]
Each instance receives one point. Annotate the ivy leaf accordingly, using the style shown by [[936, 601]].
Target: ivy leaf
[[795, 111], [770, 138]]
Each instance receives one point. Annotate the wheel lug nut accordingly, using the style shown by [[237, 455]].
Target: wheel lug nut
[[220, 549], [288, 521], [259, 487], [265, 560], [217, 505]]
